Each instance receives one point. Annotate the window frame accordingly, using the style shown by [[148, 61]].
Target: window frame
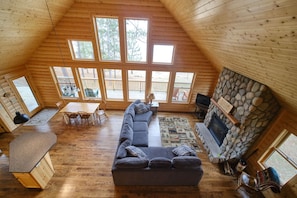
[[167, 84], [107, 93], [141, 82], [190, 88], [73, 52], [147, 40], [172, 55], [99, 96], [56, 80], [96, 31], [274, 148]]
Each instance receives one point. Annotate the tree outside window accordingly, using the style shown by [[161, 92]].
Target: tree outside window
[[109, 39], [136, 40], [82, 50]]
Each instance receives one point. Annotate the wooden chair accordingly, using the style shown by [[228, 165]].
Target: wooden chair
[[72, 117], [100, 113], [84, 117], [60, 104], [264, 179]]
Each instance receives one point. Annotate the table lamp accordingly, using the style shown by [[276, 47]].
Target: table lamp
[[151, 96]]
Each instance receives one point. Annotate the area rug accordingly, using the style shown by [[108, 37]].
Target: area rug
[[176, 131], [42, 117]]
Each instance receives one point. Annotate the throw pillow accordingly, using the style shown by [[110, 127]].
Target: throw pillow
[[141, 108], [184, 150], [186, 162], [131, 162], [160, 162], [135, 152], [122, 152]]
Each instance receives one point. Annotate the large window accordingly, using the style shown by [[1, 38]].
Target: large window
[[136, 84], [26, 93], [113, 83], [160, 81], [90, 83], [65, 80], [81, 50], [109, 39], [283, 156], [136, 40], [182, 86], [163, 54]]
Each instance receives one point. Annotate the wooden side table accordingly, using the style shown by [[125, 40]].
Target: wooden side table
[[154, 107]]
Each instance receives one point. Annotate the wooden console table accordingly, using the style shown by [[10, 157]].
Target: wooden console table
[[29, 159]]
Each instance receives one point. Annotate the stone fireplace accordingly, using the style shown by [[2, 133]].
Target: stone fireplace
[[254, 107]]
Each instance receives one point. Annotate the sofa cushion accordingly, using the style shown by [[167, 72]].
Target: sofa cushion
[[186, 162], [135, 152], [145, 117], [132, 162], [140, 139], [160, 162], [141, 108], [126, 133], [130, 110], [122, 152], [140, 126], [128, 119], [184, 150], [153, 152]]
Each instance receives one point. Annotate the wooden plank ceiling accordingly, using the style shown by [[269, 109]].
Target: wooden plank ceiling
[[254, 38]]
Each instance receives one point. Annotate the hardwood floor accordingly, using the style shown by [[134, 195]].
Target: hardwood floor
[[83, 157]]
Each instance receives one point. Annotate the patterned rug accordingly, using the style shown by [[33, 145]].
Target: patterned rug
[[42, 117], [176, 131]]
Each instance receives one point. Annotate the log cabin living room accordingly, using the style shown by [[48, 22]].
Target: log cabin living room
[[224, 71]]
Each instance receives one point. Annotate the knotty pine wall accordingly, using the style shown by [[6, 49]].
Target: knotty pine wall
[[77, 24], [254, 38]]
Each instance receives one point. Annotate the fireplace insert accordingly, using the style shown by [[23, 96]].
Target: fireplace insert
[[217, 129]]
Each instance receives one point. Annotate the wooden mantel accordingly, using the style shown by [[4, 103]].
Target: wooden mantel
[[228, 115]]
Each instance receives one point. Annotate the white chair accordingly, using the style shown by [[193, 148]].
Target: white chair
[[100, 112]]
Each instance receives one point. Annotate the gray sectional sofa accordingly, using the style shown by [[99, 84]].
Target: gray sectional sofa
[[136, 163]]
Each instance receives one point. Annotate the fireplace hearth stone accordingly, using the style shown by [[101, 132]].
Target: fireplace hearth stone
[[209, 143]]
